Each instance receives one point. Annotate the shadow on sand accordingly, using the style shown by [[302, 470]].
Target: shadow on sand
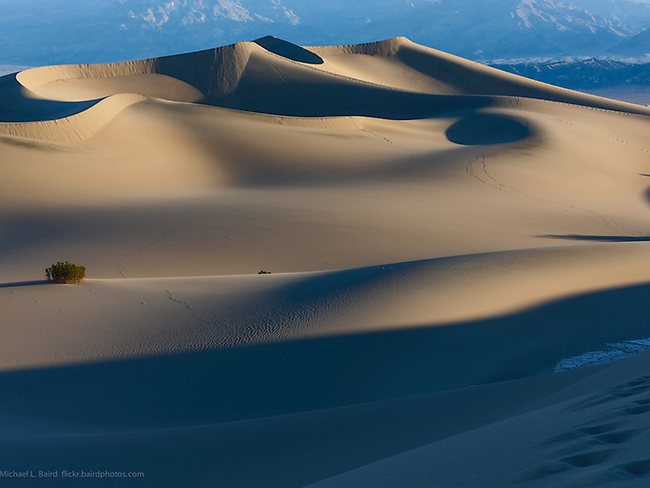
[[298, 375], [154, 398], [20, 284], [17, 106], [487, 129], [596, 238], [289, 50]]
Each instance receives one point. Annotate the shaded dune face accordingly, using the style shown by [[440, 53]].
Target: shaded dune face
[[21, 105], [487, 129], [288, 50]]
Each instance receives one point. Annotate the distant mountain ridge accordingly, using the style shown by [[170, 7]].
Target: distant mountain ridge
[[157, 14], [638, 45], [583, 74], [53, 31], [634, 14], [550, 27]]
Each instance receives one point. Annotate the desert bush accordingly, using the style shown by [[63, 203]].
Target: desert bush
[[65, 273]]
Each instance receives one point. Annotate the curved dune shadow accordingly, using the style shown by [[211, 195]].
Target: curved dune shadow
[[288, 50], [20, 284], [487, 129], [16, 107], [597, 238], [162, 400]]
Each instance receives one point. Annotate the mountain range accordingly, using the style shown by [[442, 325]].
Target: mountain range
[[634, 46], [581, 74], [85, 31]]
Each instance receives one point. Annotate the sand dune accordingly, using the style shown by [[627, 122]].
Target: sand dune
[[590, 439], [75, 128], [268, 76], [440, 235]]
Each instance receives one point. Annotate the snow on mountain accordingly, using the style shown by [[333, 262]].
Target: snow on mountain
[[563, 17], [108, 30], [157, 15], [590, 73]]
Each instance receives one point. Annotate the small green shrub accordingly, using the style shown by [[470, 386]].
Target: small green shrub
[[65, 273]]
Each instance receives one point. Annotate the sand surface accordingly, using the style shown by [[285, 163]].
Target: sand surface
[[441, 236]]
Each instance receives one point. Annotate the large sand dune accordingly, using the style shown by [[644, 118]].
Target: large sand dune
[[441, 235]]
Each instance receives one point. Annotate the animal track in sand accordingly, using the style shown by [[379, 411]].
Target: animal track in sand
[[637, 469], [637, 410], [626, 390], [477, 168], [589, 458], [618, 437], [600, 445], [378, 136]]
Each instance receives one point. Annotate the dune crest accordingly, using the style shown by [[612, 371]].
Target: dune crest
[[190, 77], [233, 76], [75, 128]]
